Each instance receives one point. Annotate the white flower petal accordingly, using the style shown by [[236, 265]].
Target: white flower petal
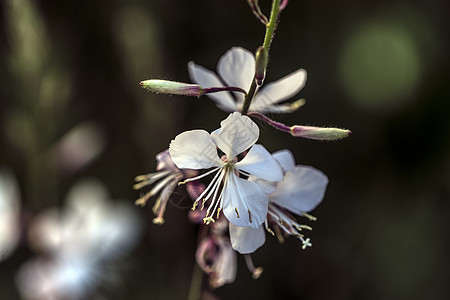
[[260, 163], [237, 67], [268, 186], [194, 150], [244, 202], [246, 239], [301, 190], [206, 78], [236, 134], [279, 90], [286, 159]]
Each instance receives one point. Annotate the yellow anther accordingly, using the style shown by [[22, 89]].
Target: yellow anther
[[306, 227], [156, 206], [208, 220], [158, 221], [218, 212], [312, 218], [237, 213], [140, 202], [140, 185], [257, 273], [298, 227], [141, 177], [194, 205], [203, 203], [297, 104], [250, 215]]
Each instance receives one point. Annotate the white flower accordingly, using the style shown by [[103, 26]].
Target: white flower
[[236, 68], [80, 245], [301, 190], [243, 202]]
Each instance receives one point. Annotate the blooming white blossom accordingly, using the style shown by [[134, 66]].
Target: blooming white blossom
[[243, 202], [301, 190], [80, 245], [236, 68]]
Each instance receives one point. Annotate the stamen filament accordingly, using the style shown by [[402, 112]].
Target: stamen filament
[[215, 189], [206, 189], [148, 179], [200, 176], [256, 272], [161, 184], [215, 200]]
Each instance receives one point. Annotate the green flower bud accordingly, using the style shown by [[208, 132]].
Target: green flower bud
[[261, 64], [172, 87], [319, 133]]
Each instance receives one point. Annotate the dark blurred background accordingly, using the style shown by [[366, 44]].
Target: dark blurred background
[[379, 68]]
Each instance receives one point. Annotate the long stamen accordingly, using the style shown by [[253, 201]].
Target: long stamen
[[267, 228], [287, 223], [200, 176], [148, 179], [256, 272], [211, 184], [214, 200], [162, 183]]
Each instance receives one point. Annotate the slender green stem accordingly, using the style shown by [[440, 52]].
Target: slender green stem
[[273, 22], [195, 289], [270, 33]]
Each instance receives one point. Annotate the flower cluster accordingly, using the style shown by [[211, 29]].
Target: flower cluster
[[250, 190]]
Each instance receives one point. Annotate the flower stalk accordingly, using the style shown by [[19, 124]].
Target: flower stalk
[[270, 34]]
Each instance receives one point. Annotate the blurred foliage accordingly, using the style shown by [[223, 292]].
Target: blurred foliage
[[378, 68]]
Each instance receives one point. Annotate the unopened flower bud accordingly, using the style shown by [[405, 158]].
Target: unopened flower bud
[[172, 87], [283, 4], [308, 132], [261, 64], [319, 133]]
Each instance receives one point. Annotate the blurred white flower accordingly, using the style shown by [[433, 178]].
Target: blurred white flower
[[78, 243], [236, 68], [76, 148], [301, 190], [244, 203], [9, 214]]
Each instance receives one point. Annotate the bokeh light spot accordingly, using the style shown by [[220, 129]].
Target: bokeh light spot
[[380, 66]]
